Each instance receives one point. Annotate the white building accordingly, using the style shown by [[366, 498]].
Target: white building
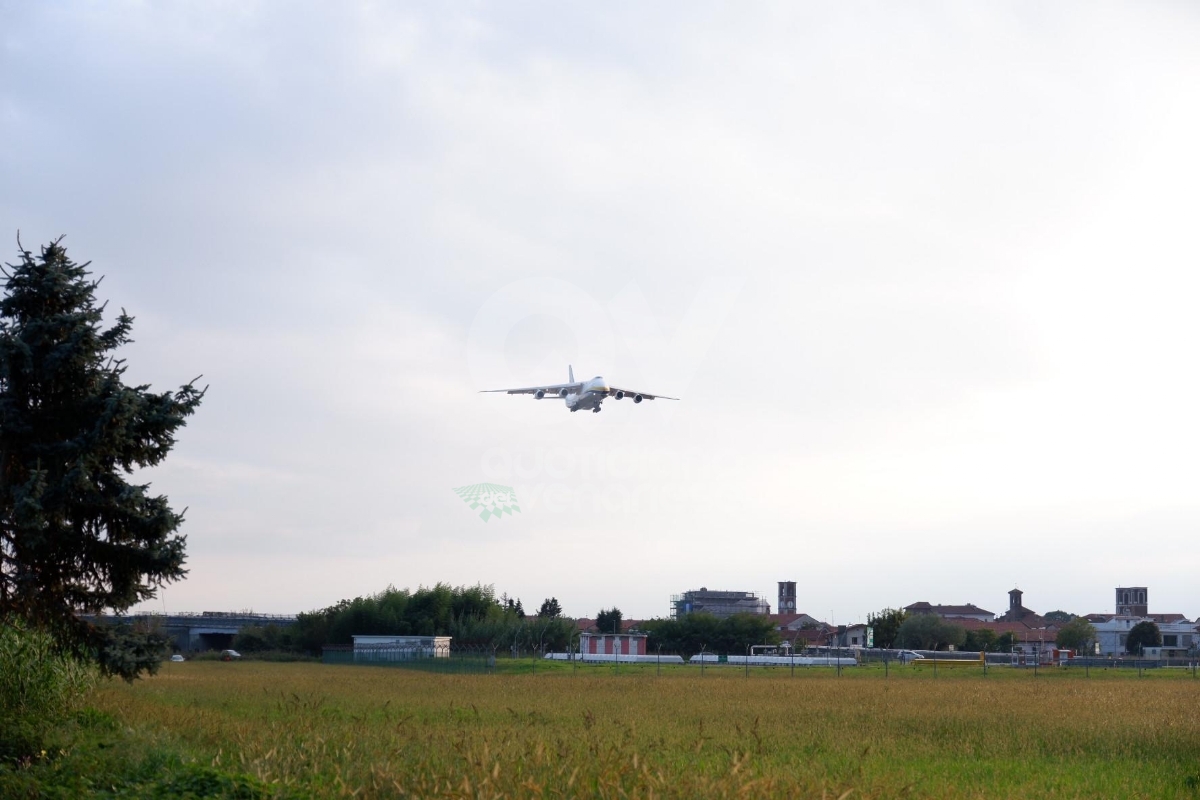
[[1179, 636]]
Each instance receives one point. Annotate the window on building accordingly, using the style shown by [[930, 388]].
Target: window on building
[[1170, 641], [1122, 638]]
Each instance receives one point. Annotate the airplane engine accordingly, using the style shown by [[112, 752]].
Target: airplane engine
[[562, 393], [637, 398], [539, 394], [619, 395]]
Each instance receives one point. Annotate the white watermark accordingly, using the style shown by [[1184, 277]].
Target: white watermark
[[494, 500]]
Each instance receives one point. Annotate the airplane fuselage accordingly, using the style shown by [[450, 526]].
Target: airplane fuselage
[[590, 395]]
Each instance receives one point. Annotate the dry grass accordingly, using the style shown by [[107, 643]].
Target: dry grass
[[379, 732]]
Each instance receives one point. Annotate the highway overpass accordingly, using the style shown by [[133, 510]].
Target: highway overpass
[[205, 630]]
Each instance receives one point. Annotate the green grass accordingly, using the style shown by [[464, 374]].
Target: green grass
[[268, 729]]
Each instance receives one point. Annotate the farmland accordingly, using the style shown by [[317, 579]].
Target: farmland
[[317, 730]]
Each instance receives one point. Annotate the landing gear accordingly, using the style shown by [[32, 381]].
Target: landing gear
[[596, 409]]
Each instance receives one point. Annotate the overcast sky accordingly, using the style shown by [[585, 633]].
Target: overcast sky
[[925, 280]]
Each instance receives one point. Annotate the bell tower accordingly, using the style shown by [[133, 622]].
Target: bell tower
[[787, 597], [1131, 601], [1014, 603]]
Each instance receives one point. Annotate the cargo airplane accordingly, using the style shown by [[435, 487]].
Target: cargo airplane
[[581, 395]]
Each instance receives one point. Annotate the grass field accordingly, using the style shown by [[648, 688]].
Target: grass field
[[317, 730]]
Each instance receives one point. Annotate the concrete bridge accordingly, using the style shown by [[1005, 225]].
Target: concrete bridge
[[206, 630]]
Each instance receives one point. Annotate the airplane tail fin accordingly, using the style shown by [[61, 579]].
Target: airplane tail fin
[[570, 373]]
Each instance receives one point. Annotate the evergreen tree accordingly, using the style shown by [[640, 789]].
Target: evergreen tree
[[609, 620], [550, 608], [76, 535]]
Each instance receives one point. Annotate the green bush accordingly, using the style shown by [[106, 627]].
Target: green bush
[[40, 686]]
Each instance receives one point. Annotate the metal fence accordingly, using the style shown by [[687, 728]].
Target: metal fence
[[486, 659], [429, 658]]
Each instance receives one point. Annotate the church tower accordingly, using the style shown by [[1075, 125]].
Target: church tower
[[787, 597]]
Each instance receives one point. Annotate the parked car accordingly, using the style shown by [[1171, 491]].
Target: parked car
[[908, 656], [230, 655], [177, 657]]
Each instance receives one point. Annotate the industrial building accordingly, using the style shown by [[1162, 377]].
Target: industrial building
[[622, 644]]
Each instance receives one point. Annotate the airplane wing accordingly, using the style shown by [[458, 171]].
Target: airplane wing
[[613, 390], [573, 388]]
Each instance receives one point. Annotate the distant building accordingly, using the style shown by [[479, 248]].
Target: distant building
[[1019, 613], [1180, 637], [1132, 601], [795, 622], [809, 637], [969, 611], [623, 644], [717, 603], [853, 636], [1029, 639]]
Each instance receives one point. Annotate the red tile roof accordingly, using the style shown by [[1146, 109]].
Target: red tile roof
[[808, 635], [1018, 629]]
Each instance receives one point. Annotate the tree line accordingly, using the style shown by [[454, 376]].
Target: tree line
[[696, 632], [472, 615], [475, 616]]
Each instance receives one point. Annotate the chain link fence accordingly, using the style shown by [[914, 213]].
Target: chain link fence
[[487, 659], [479, 659]]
